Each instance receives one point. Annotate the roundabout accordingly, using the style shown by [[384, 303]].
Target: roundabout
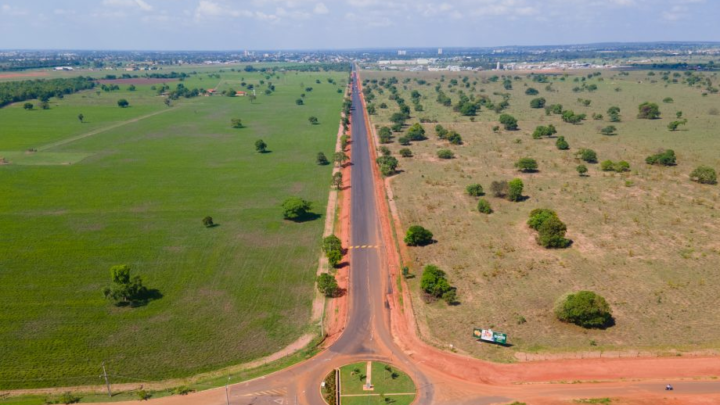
[[368, 383]]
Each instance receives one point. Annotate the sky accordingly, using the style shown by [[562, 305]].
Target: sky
[[344, 24]]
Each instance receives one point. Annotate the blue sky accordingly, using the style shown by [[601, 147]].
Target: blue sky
[[323, 24]]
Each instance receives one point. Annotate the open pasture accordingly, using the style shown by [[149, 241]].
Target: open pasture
[[646, 240], [131, 186]]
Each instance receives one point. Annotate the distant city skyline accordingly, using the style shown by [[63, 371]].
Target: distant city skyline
[[347, 24]]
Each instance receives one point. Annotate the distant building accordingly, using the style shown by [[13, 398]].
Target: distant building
[[401, 53], [66, 68], [439, 51], [240, 93]]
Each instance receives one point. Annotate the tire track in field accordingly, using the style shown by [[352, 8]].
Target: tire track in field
[[101, 130]]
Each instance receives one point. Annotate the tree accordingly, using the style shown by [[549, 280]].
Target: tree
[[416, 133], [313, 120], [537, 103], [551, 233], [704, 175], [509, 122], [434, 281], [475, 190], [454, 138], [81, 118], [405, 152], [28, 106], [44, 105], [122, 103], [260, 146], [562, 144], [662, 158], [527, 165], [541, 131], [468, 109], [321, 159], [538, 216], [340, 157], [582, 170], [168, 102], [208, 222], [295, 208], [299, 102], [673, 126], [388, 165], [330, 243], [445, 154], [515, 189], [236, 123], [404, 140], [418, 236], [584, 308], [230, 92], [327, 285], [531, 91], [587, 155], [648, 111], [337, 179], [499, 188], [609, 130], [385, 135], [484, 206], [125, 289]]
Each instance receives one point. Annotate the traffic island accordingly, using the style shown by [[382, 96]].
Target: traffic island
[[375, 383]]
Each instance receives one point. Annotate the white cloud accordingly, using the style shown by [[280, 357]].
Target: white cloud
[[320, 8], [141, 4], [11, 10]]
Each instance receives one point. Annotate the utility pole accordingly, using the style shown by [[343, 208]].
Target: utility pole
[[107, 381], [227, 393]]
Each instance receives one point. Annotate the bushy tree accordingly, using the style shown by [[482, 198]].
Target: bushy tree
[[404, 140], [515, 189], [551, 234], [295, 208], [704, 175], [208, 222], [416, 133], [582, 170], [648, 111], [405, 152], [340, 158], [236, 123], [609, 130], [28, 106], [122, 103], [484, 206], [313, 120], [434, 283], [527, 165], [562, 144], [260, 146], [125, 289], [327, 285], [416, 235], [673, 126], [584, 308], [321, 159], [587, 155], [499, 188], [531, 91], [662, 158], [475, 190], [299, 101], [388, 165], [542, 130], [454, 138], [537, 103], [538, 216], [385, 135], [445, 154], [509, 122]]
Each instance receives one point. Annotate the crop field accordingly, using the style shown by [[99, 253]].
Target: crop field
[[131, 186], [645, 239]]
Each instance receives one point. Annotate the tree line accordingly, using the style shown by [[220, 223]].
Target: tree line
[[13, 92]]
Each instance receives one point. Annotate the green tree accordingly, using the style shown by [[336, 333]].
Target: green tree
[[81, 118], [337, 180], [584, 308], [609, 130], [236, 123], [28, 106], [404, 140], [295, 208], [515, 189], [531, 91], [538, 216], [475, 190], [582, 170], [673, 126], [484, 207], [230, 92], [434, 281], [662, 158], [260, 146], [208, 222], [562, 144], [648, 111], [499, 188], [388, 165], [526, 165], [299, 101], [587, 155], [445, 154], [509, 122], [313, 120], [340, 158], [416, 133], [125, 289], [704, 175], [416, 235], [405, 152], [122, 103], [537, 103], [327, 285], [321, 159], [551, 234]]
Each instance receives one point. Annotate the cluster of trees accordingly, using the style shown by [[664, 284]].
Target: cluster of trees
[[662, 158], [555, 109], [512, 190], [476, 190], [584, 308], [570, 117], [435, 284], [332, 247], [509, 122], [619, 167], [449, 135], [16, 91], [551, 230], [542, 130]]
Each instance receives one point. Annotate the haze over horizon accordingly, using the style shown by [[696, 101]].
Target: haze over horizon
[[347, 24]]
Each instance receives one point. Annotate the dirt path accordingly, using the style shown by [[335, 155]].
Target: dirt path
[[101, 130]]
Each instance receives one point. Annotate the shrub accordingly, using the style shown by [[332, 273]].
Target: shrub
[[648, 111], [418, 236], [441, 131], [475, 190], [607, 165], [509, 122], [515, 189], [295, 208], [434, 282], [704, 175], [531, 91], [582, 170], [609, 130], [499, 188], [541, 131], [663, 158], [208, 222], [526, 165], [570, 117], [562, 144], [388, 165], [384, 151], [67, 398], [321, 159], [484, 206], [454, 138], [405, 152], [445, 154], [182, 390], [668, 100], [143, 395], [416, 133], [551, 233], [327, 285], [622, 166], [538, 216], [673, 126], [587, 155], [122, 103], [404, 140], [537, 103], [584, 308], [331, 243]]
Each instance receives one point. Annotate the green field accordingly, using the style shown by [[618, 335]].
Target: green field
[[383, 381], [646, 240], [130, 186]]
